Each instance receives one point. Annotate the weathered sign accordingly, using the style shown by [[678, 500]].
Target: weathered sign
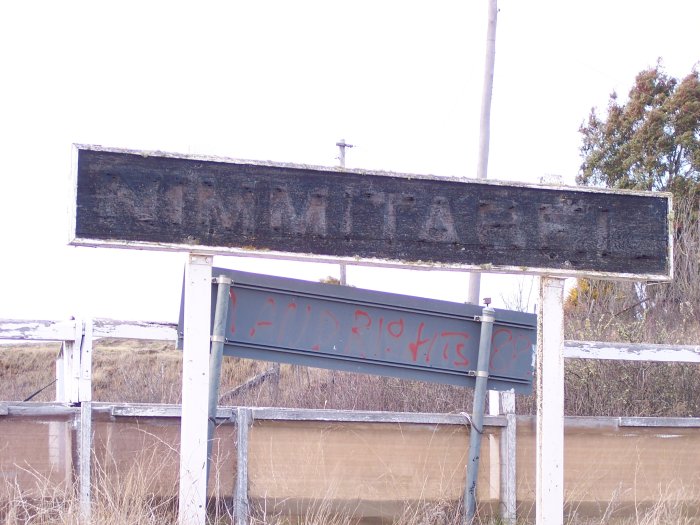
[[344, 328], [160, 201]]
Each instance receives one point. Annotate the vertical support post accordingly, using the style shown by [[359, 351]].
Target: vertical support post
[[195, 389], [85, 377], [477, 424], [84, 456], [550, 404], [508, 459], [73, 382], [85, 431], [60, 375], [494, 409], [243, 422], [68, 368], [216, 356]]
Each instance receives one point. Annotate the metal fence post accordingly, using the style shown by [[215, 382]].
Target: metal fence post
[[85, 426], [216, 356], [84, 457], [508, 455], [241, 509]]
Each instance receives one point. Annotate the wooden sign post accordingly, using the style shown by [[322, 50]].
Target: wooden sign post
[[549, 440], [211, 206], [195, 390]]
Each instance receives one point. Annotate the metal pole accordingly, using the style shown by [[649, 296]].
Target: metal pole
[[477, 419], [485, 125], [216, 356]]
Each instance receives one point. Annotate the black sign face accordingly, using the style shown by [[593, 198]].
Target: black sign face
[[165, 202], [339, 327]]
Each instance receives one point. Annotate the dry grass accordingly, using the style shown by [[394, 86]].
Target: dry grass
[[150, 372], [26, 368], [129, 499], [116, 501]]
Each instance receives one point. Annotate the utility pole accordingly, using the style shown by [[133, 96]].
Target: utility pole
[[341, 158], [485, 125], [341, 146], [481, 173]]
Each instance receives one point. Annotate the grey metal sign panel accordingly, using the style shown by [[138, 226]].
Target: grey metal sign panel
[[161, 201], [338, 327]]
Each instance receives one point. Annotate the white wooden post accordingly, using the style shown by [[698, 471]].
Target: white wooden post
[[241, 510], [503, 454], [84, 456], [85, 352], [68, 367], [195, 390], [494, 409], [60, 376], [68, 373], [509, 455], [550, 404], [85, 427]]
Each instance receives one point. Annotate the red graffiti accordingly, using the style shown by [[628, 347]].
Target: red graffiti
[[232, 308], [418, 343], [367, 324], [288, 313], [507, 350], [459, 347], [392, 326], [364, 332], [258, 325]]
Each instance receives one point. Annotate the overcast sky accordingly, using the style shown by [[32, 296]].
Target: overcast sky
[[284, 81]]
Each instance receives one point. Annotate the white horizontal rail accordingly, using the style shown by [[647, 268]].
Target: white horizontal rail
[[34, 330], [29, 330], [632, 351], [660, 422], [135, 330], [166, 411], [228, 414], [296, 414], [257, 413], [348, 416]]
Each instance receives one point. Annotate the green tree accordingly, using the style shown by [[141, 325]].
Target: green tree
[[649, 142]]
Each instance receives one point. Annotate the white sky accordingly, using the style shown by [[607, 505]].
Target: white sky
[[283, 81]]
